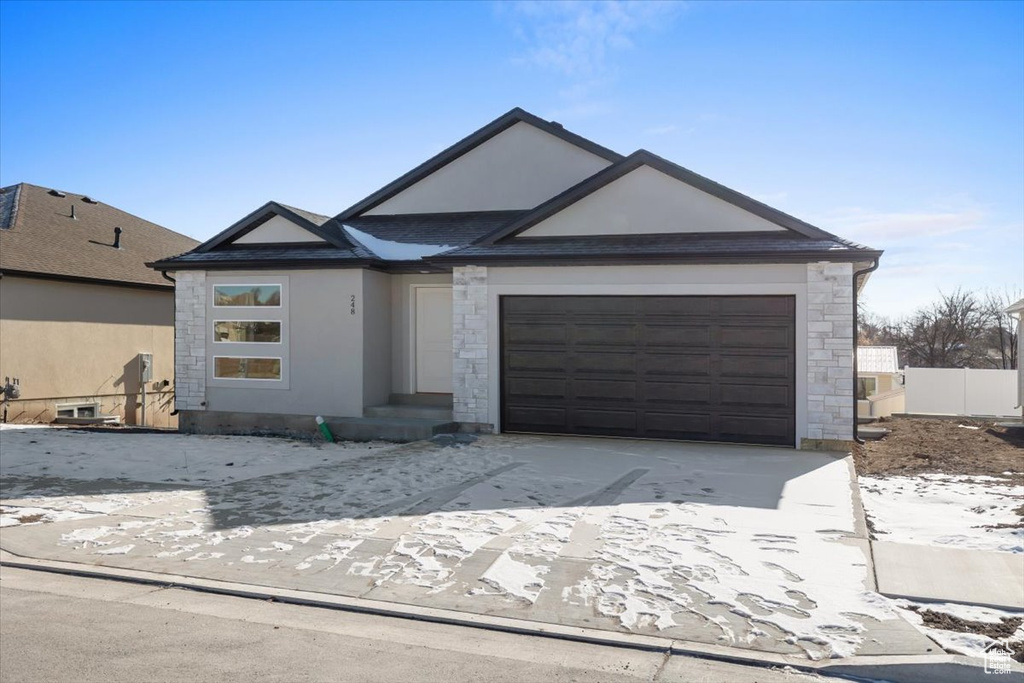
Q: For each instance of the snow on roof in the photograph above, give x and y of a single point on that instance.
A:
(879, 359)
(395, 251)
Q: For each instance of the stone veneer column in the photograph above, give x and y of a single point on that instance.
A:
(190, 336)
(469, 347)
(830, 351)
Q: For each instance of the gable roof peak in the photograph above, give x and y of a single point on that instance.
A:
(470, 142)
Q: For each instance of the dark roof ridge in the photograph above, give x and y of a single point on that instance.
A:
(470, 142)
(7, 221)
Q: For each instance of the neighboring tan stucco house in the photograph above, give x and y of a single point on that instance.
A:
(880, 390)
(525, 280)
(76, 310)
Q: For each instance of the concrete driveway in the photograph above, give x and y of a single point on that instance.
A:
(749, 547)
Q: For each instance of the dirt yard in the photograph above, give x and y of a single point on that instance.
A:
(943, 446)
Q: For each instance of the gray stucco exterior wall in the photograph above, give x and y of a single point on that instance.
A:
(376, 315)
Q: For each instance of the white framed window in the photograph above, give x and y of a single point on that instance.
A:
(247, 296)
(247, 331)
(866, 386)
(248, 368)
(78, 409)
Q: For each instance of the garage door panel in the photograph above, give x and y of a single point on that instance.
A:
(701, 368)
(676, 425)
(531, 387)
(539, 417)
(675, 365)
(603, 390)
(537, 334)
(603, 421)
(605, 335)
(611, 363)
(749, 336)
(733, 395)
(764, 366)
(680, 393)
(536, 361)
(680, 336)
(676, 306)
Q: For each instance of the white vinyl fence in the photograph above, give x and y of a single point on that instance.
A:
(957, 391)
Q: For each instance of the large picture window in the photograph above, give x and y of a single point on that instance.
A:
(246, 295)
(232, 367)
(247, 331)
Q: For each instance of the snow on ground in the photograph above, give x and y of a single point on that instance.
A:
(31, 451)
(970, 644)
(739, 546)
(943, 510)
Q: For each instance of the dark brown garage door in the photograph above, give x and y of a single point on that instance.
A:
(709, 368)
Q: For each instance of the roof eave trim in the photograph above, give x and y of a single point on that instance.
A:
(85, 280)
(659, 259)
(468, 143)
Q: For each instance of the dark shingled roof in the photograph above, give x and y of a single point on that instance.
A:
(40, 238)
(455, 229)
(240, 257)
(749, 246)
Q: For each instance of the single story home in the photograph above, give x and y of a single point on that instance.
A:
(81, 313)
(879, 382)
(526, 279)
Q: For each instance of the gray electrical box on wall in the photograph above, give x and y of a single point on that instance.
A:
(146, 367)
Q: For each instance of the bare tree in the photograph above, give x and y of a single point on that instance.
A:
(1000, 336)
(945, 334)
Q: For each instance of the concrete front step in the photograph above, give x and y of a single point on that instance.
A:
(409, 411)
(400, 429)
(422, 400)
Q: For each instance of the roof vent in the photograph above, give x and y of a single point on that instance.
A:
(556, 124)
(57, 193)
(73, 216)
(89, 200)
(117, 238)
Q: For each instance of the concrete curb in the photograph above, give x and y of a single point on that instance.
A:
(896, 668)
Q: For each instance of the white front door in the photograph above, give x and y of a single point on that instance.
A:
(434, 340)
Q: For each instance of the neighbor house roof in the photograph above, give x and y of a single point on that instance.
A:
(877, 359)
(40, 238)
(1016, 307)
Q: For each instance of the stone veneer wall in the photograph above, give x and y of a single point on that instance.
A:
(830, 351)
(469, 346)
(190, 335)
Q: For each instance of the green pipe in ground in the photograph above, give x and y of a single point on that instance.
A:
(324, 429)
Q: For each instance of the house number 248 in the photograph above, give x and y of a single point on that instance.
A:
(352, 305)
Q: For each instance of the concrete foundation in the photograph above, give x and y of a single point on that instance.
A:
(399, 429)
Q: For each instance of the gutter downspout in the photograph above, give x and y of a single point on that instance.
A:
(175, 283)
(856, 328)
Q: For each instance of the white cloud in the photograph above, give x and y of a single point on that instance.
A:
(864, 225)
(574, 38)
(661, 130)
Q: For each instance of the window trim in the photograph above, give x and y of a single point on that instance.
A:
(213, 331)
(279, 359)
(75, 406)
(215, 285)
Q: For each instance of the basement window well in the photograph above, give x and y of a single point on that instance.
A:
(247, 368)
(78, 409)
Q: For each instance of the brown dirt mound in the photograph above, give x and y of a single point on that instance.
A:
(920, 445)
(997, 631)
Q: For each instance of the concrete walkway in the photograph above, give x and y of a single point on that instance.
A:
(739, 547)
(932, 574)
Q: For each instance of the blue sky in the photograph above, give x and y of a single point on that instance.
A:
(898, 125)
